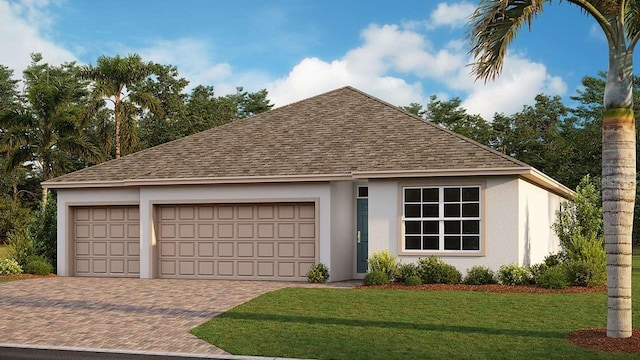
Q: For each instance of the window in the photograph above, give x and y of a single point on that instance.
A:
(441, 218)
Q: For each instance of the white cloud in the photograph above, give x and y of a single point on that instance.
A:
(452, 15)
(23, 29)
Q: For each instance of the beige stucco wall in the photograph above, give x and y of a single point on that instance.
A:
(537, 209)
(513, 210)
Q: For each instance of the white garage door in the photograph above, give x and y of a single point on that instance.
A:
(237, 241)
(106, 241)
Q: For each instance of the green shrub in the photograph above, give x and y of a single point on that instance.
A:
(480, 275)
(435, 271)
(554, 277)
(10, 267)
(384, 261)
(376, 277)
(513, 274)
(20, 247)
(413, 280)
(318, 273)
(586, 262)
(38, 265)
(42, 229)
(406, 271)
(552, 260)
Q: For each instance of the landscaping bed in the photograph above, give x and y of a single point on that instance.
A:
(494, 288)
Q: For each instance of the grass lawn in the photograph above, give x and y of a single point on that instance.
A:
(386, 324)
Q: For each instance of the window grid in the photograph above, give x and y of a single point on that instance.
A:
(441, 218)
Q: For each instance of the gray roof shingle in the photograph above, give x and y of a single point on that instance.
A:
(339, 132)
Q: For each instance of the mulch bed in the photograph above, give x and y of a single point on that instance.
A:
(25, 276)
(596, 339)
(531, 289)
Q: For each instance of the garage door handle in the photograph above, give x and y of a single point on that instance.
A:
(358, 236)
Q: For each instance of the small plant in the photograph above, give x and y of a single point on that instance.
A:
(20, 247)
(513, 274)
(406, 271)
(586, 262)
(413, 280)
(384, 261)
(554, 277)
(318, 273)
(38, 265)
(480, 275)
(10, 267)
(435, 271)
(376, 277)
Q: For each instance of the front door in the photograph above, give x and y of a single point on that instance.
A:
(362, 235)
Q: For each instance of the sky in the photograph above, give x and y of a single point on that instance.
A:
(401, 51)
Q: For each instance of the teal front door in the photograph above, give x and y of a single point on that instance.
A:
(362, 236)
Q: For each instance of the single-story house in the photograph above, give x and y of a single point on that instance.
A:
(330, 179)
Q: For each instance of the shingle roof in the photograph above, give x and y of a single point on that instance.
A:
(339, 132)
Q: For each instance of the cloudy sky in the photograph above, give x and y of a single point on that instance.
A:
(401, 51)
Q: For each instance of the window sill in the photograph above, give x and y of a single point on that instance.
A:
(421, 253)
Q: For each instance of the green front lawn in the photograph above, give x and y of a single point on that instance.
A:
(387, 324)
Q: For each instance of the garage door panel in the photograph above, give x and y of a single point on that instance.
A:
(106, 241)
(237, 241)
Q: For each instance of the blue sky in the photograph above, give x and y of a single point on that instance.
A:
(401, 51)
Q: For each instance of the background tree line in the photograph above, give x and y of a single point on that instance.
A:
(60, 118)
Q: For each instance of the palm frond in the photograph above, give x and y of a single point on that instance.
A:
(632, 22)
(493, 26)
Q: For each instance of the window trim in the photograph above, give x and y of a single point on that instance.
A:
(440, 184)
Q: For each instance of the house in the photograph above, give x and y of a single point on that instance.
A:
(329, 179)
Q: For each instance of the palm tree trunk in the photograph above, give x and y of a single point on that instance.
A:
(116, 113)
(618, 191)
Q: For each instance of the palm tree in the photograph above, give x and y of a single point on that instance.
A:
(46, 130)
(493, 26)
(115, 80)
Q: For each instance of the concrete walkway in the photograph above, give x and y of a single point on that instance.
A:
(133, 314)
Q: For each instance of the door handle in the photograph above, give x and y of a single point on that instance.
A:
(358, 236)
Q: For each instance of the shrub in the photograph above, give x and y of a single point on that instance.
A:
(513, 274)
(435, 271)
(318, 273)
(406, 271)
(554, 277)
(10, 267)
(38, 265)
(384, 261)
(20, 247)
(586, 262)
(376, 277)
(413, 280)
(480, 275)
(42, 229)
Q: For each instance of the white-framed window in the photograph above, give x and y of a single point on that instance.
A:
(441, 218)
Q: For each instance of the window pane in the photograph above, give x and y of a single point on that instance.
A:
(412, 210)
(430, 227)
(430, 243)
(412, 227)
(451, 194)
(452, 242)
(412, 243)
(471, 243)
(471, 227)
(470, 194)
(431, 195)
(452, 227)
(412, 195)
(471, 210)
(451, 210)
(430, 210)
(363, 191)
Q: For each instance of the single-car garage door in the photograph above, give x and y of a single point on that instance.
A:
(275, 241)
(106, 241)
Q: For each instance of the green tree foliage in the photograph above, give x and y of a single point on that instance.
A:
(42, 231)
(582, 216)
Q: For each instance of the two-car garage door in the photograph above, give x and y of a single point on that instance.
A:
(275, 241)
(237, 241)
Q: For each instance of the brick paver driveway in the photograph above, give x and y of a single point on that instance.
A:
(154, 315)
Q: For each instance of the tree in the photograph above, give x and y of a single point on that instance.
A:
(117, 79)
(46, 129)
(494, 25)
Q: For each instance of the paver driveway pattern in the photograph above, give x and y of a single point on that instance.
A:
(142, 314)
